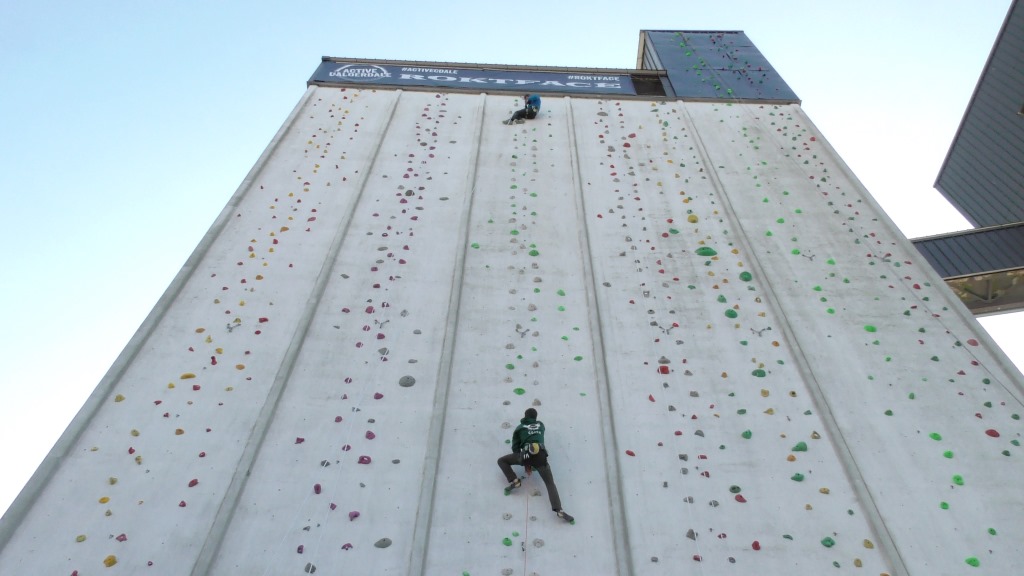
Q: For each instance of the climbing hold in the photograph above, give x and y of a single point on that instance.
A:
(383, 543)
(972, 561)
(992, 433)
(316, 488)
(958, 480)
(353, 515)
(747, 434)
(800, 447)
(506, 541)
(798, 477)
(870, 328)
(706, 251)
(828, 542)
(630, 453)
(935, 436)
(310, 568)
(110, 561)
(364, 460)
(406, 381)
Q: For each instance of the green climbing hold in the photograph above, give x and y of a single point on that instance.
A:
(973, 561)
(795, 251)
(560, 292)
(578, 358)
(948, 454)
(475, 245)
(534, 253)
(828, 542)
(992, 531)
(798, 477)
(741, 411)
(735, 489)
(747, 434)
(944, 505)
(706, 251)
(746, 276)
(800, 447)
(911, 396)
(888, 412)
(721, 298)
(519, 391)
(759, 373)
(514, 232)
(935, 436)
(958, 480)
(506, 541)
(730, 313)
(870, 328)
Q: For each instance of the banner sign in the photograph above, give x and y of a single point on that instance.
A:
(471, 78)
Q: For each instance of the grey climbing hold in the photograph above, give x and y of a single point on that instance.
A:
(694, 394)
(383, 543)
(671, 408)
(310, 568)
(406, 381)
(699, 433)
(654, 559)
(713, 503)
(395, 461)
(691, 534)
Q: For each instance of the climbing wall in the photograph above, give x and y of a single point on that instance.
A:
(744, 368)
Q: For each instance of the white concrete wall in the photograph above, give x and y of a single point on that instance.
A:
(258, 423)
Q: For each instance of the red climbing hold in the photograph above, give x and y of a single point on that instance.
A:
(650, 397)
(756, 545)
(299, 439)
(121, 537)
(192, 483)
(630, 453)
(992, 433)
(364, 460)
(316, 488)
(377, 395)
(741, 499)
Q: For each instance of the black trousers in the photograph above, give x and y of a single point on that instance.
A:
(507, 462)
(527, 112)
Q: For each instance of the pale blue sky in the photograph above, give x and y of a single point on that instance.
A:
(125, 127)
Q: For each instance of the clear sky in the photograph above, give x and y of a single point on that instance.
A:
(126, 126)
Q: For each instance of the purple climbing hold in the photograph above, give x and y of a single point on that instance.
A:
(353, 515)
(364, 460)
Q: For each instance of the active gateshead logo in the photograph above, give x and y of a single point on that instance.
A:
(362, 72)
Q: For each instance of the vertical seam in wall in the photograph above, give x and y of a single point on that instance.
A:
(229, 504)
(19, 509)
(620, 531)
(845, 456)
(435, 436)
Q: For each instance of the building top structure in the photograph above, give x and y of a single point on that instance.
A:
(983, 177)
(672, 64)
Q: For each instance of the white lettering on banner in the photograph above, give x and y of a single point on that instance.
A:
(430, 70)
(360, 71)
(507, 81)
(615, 78)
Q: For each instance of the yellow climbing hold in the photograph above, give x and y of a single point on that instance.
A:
(104, 500)
(791, 458)
(112, 480)
(110, 561)
(219, 350)
(824, 490)
(170, 385)
(869, 544)
(858, 563)
(764, 392)
(179, 432)
(134, 432)
(770, 411)
(187, 375)
(80, 538)
(808, 507)
(692, 218)
(239, 366)
(200, 330)
(119, 398)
